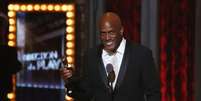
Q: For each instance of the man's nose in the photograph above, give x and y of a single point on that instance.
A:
(107, 36)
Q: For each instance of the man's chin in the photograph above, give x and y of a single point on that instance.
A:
(109, 50)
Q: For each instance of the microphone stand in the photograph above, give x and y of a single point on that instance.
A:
(111, 79)
(110, 84)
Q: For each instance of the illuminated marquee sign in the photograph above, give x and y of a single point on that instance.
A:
(42, 61)
(41, 47)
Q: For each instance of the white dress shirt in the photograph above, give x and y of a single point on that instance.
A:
(114, 59)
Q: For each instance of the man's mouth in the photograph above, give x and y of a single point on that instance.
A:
(108, 43)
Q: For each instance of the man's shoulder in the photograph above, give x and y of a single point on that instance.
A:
(137, 47)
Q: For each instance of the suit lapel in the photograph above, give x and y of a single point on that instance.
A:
(123, 67)
(101, 67)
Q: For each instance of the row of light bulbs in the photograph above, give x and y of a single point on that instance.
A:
(40, 7)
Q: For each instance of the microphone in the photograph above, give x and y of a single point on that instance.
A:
(111, 73)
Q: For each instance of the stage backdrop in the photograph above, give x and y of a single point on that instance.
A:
(176, 28)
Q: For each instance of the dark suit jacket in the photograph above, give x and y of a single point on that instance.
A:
(138, 79)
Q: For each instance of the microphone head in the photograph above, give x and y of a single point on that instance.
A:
(110, 71)
(109, 68)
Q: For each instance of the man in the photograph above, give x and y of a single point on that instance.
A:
(117, 70)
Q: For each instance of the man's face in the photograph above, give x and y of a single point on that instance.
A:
(110, 36)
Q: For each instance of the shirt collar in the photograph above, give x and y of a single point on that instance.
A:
(122, 46)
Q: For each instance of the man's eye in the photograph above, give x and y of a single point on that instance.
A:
(110, 33)
(103, 33)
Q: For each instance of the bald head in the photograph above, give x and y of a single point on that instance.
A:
(112, 18)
